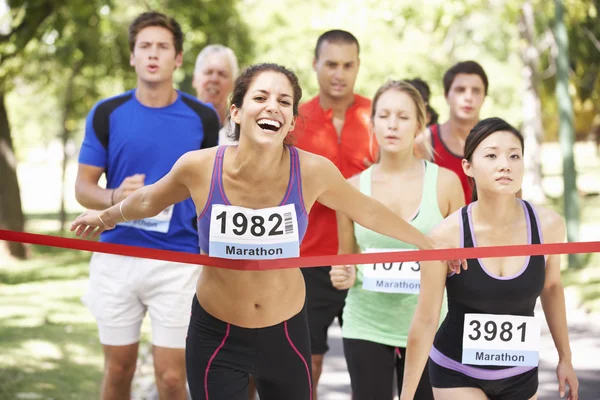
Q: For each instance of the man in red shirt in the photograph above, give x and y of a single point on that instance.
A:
(334, 124)
(465, 88)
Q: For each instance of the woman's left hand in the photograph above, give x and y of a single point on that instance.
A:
(566, 375)
(89, 223)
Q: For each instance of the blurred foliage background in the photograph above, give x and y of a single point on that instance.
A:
(58, 57)
(51, 74)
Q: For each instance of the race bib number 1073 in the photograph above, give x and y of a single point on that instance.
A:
(503, 340)
(243, 233)
(394, 277)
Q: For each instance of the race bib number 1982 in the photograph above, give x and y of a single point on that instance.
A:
(243, 233)
(503, 340)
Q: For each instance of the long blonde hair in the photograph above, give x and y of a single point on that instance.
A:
(405, 87)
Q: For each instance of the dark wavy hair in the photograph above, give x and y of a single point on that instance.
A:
(243, 82)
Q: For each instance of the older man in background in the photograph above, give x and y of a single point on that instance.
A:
(215, 72)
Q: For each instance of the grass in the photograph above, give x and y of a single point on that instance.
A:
(584, 282)
(49, 347)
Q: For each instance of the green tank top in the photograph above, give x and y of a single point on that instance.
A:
(385, 317)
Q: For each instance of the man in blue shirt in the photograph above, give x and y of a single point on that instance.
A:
(135, 138)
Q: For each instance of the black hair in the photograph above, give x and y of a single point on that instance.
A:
(480, 132)
(335, 36)
(464, 67)
(425, 92)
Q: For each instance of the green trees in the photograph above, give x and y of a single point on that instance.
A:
(23, 21)
(566, 131)
(69, 54)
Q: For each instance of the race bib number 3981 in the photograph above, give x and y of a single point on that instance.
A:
(243, 233)
(502, 340)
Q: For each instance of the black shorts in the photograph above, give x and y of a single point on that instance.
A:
(372, 366)
(220, 357)
(519, 387)
(323, 304)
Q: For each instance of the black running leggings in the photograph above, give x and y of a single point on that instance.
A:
(371, 366)
(220, 357)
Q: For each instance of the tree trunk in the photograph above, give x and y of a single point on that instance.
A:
(533, 131)
(62, 214)
(65, 136)
(11, 214)
(566, 133)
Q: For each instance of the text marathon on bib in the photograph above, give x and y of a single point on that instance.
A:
(258, 251)
(377, 284)
(504, 358)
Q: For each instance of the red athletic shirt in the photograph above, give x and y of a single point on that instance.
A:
(443, 157)
(316, 133)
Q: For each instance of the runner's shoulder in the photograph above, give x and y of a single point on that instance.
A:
(196, 161)
(552, 224)
(447, 177)
(311, 162)
(448, 230)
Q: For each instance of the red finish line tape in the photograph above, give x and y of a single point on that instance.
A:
(313, 261)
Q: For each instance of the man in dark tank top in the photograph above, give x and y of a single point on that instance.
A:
(465, 89)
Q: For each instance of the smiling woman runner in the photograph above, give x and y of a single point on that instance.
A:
(488, 345)
(253, 200)
(383, 297)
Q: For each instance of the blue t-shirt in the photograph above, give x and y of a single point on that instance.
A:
(126, 138)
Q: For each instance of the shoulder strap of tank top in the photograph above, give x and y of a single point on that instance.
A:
(466, 239)
(430, 198)
(365, 181)
(534, 223)
(219, 168)
(216, 178)
(294, 163)
(295, 177)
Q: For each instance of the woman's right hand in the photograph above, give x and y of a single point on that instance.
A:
(456, 265)
(342, 276)
(89, 223)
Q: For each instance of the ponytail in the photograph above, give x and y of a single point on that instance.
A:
(473, 186)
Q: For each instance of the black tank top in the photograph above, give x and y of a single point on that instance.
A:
(477, 291)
